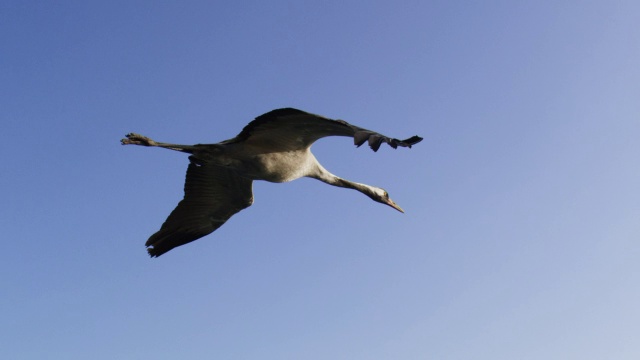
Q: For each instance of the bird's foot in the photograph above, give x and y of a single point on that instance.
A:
(137, 139)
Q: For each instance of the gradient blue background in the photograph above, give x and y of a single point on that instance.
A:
(520, 238)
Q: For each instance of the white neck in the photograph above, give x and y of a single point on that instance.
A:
(322, 174)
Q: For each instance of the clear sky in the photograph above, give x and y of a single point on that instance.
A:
(522, 226)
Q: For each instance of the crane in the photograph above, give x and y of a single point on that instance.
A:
(274, 147)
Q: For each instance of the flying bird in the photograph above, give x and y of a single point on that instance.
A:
(274, 147)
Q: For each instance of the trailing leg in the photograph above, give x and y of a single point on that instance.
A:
(137, 139)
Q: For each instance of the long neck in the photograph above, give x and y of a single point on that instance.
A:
(325, 176)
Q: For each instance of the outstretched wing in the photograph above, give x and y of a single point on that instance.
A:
(293, 129)
(212, 194)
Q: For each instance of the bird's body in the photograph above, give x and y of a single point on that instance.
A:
(275, 147)
(277, 167)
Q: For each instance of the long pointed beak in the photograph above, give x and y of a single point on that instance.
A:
(395, 206)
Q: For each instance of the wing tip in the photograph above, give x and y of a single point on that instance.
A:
(153, 253)
(412, 140)
(376, 140)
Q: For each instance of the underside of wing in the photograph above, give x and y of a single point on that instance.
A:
(212, 194)
(293, 129)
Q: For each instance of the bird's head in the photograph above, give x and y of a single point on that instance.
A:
(381, 196)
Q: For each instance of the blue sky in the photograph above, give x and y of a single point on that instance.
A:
(520, 238)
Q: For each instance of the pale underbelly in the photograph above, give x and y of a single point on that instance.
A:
(277, 167)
